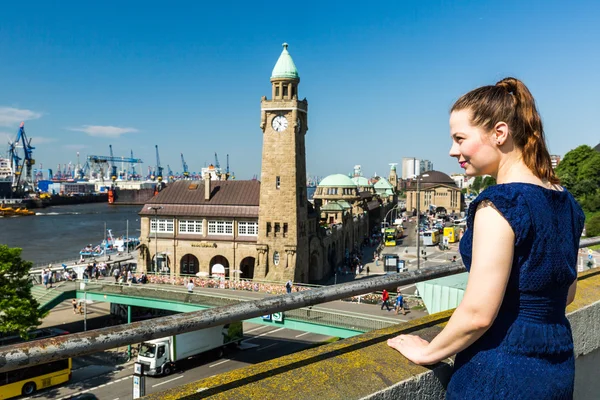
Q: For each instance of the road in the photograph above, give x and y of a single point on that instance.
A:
(261, 343)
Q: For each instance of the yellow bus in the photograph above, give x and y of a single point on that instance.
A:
(26, 381)
(451, 233)
(389, 237)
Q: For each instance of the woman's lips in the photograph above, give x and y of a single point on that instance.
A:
(462, 164)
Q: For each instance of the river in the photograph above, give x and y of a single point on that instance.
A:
(60, 232)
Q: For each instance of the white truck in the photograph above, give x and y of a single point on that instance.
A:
(160, 356)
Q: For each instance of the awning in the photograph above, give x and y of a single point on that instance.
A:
(218, 269)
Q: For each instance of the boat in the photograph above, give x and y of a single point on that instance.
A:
(109, 245)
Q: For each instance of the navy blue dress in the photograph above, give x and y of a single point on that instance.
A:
(528, 351)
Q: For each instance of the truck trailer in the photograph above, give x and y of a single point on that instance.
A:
(160, 356)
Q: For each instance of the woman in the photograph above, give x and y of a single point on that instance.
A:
(510, 331)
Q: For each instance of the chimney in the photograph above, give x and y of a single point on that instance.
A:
(207, 186)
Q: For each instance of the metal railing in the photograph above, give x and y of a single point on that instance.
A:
(79, 344)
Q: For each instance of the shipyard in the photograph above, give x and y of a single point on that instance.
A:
(332, 201)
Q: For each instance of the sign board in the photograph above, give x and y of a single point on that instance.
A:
(139, 389)
(266, 317)
(402, 266)
(277, 317)
(590, 252)
(137, 368)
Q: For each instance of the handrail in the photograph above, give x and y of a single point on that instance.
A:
(79, 344)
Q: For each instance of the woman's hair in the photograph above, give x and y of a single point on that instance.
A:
(510, 101)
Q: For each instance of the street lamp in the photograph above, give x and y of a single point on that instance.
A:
(419, 219)
(155, 208)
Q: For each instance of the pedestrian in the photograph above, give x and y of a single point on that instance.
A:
(74, 303)
(453, 259)
(368, 270)
(288, 286)
(385, 297)
(514, 307)
(116, 274)
(377, 260)
(190, 286)
(45, 277)
(400, 304)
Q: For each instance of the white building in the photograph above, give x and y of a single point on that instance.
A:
(410, 167)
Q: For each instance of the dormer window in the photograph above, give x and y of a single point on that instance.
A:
(285, 91)
(276, 90)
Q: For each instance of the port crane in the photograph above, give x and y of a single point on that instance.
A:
(28, 161)
(217, 165)
(159, 170)
(113, 167)
(170, 174)
(102, 161)
(184, 165)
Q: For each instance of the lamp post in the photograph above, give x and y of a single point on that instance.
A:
(419, 219)
(155, 208)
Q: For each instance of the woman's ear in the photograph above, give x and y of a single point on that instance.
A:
(500, 134)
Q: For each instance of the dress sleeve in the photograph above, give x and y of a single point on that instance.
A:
(511, 204)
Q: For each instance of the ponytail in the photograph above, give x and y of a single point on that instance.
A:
(510, 101)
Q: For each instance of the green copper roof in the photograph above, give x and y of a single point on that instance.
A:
(361, 181)
(285, 67)
(337, 180)
(383, 183)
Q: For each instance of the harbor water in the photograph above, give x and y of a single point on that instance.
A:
(60, 232)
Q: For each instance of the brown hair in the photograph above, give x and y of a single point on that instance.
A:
(510, 101)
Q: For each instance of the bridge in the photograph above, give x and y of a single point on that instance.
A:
(339, 319)
(359, 367)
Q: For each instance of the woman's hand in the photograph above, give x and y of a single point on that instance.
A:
(412, 347)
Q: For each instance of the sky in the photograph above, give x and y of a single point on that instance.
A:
(379, 77)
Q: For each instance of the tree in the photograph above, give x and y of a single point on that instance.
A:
(579, 171)
(487, 182)
(477, 182)
(19, 311)
(592, 228)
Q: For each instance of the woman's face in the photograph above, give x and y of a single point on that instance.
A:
(472, 146)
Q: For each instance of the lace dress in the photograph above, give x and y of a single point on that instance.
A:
(528, 351)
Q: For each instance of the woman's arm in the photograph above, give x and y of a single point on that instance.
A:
(493, 249)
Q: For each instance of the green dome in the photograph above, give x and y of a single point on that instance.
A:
(337, 180)
(361, 181)
(285, 67)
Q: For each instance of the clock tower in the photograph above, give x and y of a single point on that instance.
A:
(282, 242)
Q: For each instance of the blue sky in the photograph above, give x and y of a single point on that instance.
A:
(379, 76)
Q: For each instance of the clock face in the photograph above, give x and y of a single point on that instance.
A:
(280, 123)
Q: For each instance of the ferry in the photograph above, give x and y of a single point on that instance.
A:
(110, 245)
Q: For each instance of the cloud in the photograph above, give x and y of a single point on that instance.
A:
(11, 116)
(104, 131)
(75, 146)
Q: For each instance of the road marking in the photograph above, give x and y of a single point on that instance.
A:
(90, 389)
(266, 347)
(263, 334)
(116, 398)
(170, 380)
(256, 329)
(406, 287)
(302, 334)
(219, 363)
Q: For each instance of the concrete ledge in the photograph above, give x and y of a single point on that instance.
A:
(364, 367)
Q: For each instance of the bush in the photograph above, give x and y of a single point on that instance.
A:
(592, 227)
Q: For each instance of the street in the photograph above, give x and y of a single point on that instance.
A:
(261, 343)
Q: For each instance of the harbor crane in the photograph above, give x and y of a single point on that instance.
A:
(217, 165)
(22, 141)
(102, 161)
(113, 167)
(170, 174)
(159, 170)
(184, 165)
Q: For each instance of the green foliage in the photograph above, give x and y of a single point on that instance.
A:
(477, 183)
(488, 181)
(592, 227)
(19, 310)
(591, 202)
(579, 172)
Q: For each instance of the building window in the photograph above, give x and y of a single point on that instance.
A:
(277, 228)
(276, 90)
(164, 226)
(190, 226)
(220, 227)
(268, 228)
(276, 258)
(277, 182)
(248, 228)
(285, 90)
(285, 229)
